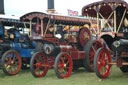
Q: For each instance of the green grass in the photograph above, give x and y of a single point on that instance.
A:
(81, 77)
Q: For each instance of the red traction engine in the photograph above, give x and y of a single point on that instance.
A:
(60, 49)
(113, 16)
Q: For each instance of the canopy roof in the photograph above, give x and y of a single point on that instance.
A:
(57, 18)
(105, 7)
(12, 20)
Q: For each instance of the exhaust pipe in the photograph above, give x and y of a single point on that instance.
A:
(2, 7)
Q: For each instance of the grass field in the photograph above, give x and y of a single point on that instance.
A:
(81, 77)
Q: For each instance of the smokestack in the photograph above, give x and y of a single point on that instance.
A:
(51, 6)
(2, 7)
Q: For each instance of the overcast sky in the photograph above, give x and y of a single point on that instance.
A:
(20, 7)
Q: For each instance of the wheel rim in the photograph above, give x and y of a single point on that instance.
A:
(104, 68)
(12, 63)
(92, 51)
(64, 66)
(40, 65)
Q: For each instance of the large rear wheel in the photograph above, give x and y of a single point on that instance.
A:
(11, 62)
(101, 63)
(63, 65)
(39, 64)
(90, 49)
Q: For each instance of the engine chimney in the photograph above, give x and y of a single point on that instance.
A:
(2, 7)
(51, 6)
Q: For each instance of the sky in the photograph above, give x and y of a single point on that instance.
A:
(21, 7)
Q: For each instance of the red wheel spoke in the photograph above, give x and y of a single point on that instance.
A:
(63, 66)
(37, 59)
(6, 59)
(59, 65)
(91, 58)
(99, 65)
(66, 70)
(40, 59)
(37, 70)
(96, 46)
(39, 65)
(103, 68)
(60, 69)
(16, 62)
(64, 57)
(8, 62)
(93, 49)
(10, 69)
(11, 62)
(62, 60)
(34, 64)
(10, 58)
(13, 68)
(14, 58)
(67, 62)
(104, 56)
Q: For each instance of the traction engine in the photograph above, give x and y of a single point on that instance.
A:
(59, 48)
(16, 50)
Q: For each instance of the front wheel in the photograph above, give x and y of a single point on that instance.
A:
(63, 65)
(101, 63)
(39, 64)
(90, 49)
(11, 62)
(124, 69)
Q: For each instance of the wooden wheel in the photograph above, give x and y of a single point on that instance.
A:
(90, 49)
(101, 60)
(63, 65)
(39, 64)
(11, 62)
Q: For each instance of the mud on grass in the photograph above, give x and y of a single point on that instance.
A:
(80, 77)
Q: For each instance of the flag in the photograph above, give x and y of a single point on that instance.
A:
(72, 13)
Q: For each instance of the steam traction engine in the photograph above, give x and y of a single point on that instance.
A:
(60, 48)
(16, 48)
(114, 30)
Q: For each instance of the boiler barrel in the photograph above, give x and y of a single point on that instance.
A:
(64, 48)
(51, 50)
(123, 42)
(119, 44)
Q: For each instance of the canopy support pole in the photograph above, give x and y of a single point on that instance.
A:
(98, 23)
(121, 20)
(104, 19)
(24, 26)
(115, 21)
(89, 19)
(47, 27)
(42, 27)
(30, 28)
(106, 22)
